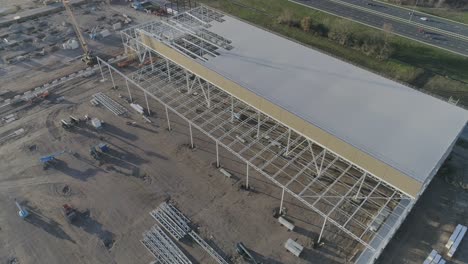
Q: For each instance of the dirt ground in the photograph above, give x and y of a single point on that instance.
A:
(147, 165)
(429, 225)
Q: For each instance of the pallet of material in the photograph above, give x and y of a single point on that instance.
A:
(453, 236)
(434, 258)
(455, 240)
(283, 221)
(293, 247)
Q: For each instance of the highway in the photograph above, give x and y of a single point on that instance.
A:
(438, 32)
(405, 14)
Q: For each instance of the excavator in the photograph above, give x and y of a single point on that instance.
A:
(87, 57)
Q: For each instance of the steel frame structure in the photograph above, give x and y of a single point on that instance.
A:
(344, 194)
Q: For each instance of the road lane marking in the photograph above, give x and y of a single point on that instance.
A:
(395, 33)
(370, 11)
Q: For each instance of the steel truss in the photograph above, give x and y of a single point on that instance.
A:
(345, 195)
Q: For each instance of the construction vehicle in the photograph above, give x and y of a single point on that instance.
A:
(74, 121)
(97, 151)
(69, 213)
(70, 124)
(131, 123)
(87, 57)
(49, 160)
(39, 97)
(96, 123)
(66, 124)
(94, 153)
(136, 5)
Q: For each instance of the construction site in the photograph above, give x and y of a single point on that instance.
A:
(170, 132)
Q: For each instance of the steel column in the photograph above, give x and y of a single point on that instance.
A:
(100, 68)
(112, 78)
(188, 81)
(287, 145)
(281, 203)
(232, 108)
(247, 179)
(360, 186)
(151, 61)
(147, 104)
(167, 117)
(258, 124)
(217, 154)
(321, 231)
(191, 135)
(168, 70)
(129, 93)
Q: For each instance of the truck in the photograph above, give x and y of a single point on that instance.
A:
(97, 151)
(136, 5)
(96, 123)
(69, 213)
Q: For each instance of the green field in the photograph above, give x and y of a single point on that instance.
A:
(421, 66)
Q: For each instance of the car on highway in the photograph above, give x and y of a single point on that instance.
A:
(424, 18)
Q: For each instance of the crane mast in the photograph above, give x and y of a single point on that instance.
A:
(87, 55)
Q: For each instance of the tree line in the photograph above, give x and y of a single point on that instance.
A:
(375, 44)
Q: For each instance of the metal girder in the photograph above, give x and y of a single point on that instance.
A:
(196, 18)
(257, 140)
(341, 199)
(377, 214)
(308, 167)
(272, 143)
(234, 128)
(207, 121)
(316, 177)
(336, 180)
(362, 203)
(279, 154)
(289, 162)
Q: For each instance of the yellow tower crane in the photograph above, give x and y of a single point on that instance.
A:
(87, 57)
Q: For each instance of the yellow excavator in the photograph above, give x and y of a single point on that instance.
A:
(87, 57)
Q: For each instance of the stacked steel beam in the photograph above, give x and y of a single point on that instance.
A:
(163, 248)
(110, 104)
(177, 224)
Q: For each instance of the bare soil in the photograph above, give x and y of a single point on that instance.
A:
(148, 165)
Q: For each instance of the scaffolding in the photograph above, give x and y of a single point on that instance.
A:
(360, 204)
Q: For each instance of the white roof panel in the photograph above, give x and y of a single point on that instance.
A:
(398, 125)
